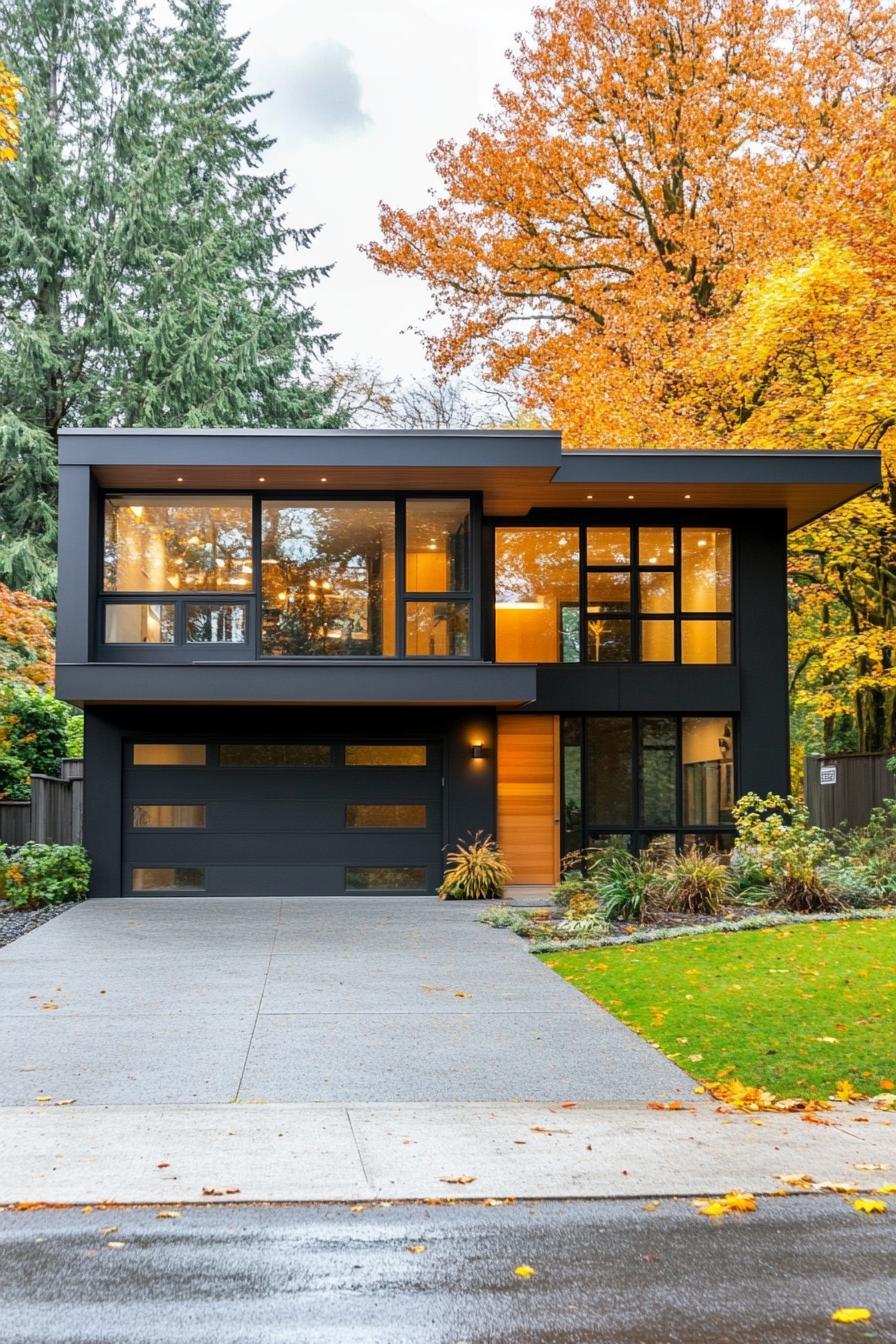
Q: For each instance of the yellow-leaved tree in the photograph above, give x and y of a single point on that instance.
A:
(10, 91)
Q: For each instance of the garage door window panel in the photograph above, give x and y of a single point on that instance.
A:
(368, 878)
(168, 879)
(267, 755)
(168, 753)
(385, 816)
(174, 816)
(385, 754)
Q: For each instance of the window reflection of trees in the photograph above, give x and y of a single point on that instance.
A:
(328, 578)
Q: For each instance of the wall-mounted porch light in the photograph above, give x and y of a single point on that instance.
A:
(477, 751)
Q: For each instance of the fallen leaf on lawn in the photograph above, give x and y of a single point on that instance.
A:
(542, 1129)
(869, 1206)
(801, 1180)
(458, 1180)
(168, 1213)
(114, 1245)
(649, 1208)
(827, 1040)
(851, 1315)
(871, 1166)
(524, 1271)
(844, 1091)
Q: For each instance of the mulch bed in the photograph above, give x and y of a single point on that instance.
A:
(13, 923)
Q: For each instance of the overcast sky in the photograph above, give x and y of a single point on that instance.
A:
(362, 90)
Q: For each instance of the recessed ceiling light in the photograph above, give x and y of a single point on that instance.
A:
(687, 496)
(631, 496)
(323, 480)
(261, 478)
(180, 480)
(589, 496)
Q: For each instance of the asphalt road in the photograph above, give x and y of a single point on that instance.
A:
(605, 1271)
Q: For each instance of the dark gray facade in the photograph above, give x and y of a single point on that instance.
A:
(283, 826)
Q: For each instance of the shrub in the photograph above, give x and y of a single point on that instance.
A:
(34, 730)
(697, 882)
(778, 847)
(476, 871)
(36, 875)
(624, 883)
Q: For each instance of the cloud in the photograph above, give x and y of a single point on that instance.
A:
(323, 93)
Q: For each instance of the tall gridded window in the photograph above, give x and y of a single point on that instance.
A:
(438, 582)
(654, 594)
(537, 595)
(640, 778)
(328, 577)
(177, 543)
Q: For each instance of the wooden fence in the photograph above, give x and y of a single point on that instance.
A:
(842, 790)
(54, 816)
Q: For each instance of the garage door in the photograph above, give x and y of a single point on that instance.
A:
(257, 818)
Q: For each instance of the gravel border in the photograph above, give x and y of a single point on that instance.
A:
(15, 923)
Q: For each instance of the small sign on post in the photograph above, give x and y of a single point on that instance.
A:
(828, 774)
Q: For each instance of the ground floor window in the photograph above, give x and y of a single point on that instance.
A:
(639, 777)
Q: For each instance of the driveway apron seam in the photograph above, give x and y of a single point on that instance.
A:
(264, 985)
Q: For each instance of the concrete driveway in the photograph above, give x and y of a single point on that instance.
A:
(377, 999)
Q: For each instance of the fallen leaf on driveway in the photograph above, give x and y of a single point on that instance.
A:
(838, 1187)
(459, 994)
(649, 1208)
(714, 1209)
(107, 1231)
(869, 1206)
(886, 1190)
(68, 1101)
(871, 1166)
(851, 1315)
(49, 1007)
(163, 1164)
(458, 1180)
(524, 1271)
(168, 1213)
(664, 1106)
(542, 1129)
(217, 1190)
(418, 1249)
(114, 1245)
(43, 1098)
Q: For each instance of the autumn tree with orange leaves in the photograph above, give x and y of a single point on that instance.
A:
(10, 89)
(647, 162)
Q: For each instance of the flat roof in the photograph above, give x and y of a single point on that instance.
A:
(515, 470)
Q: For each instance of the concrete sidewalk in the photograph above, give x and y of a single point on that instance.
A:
(160, 1154)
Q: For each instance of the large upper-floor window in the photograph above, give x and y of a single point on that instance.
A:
(328, 577)
(613, 594)
(172, 543)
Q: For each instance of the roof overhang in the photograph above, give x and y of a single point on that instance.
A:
(516, 471)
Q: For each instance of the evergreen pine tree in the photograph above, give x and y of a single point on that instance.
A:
(68, 208)
(147, 273)
(221, 334)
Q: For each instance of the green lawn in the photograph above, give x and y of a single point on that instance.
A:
(790, 1009)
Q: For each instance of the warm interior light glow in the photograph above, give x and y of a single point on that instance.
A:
(537, 605)
(137, 510)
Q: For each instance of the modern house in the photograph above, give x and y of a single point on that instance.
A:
(311, 661)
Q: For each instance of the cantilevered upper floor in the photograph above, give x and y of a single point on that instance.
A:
(349, 567)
